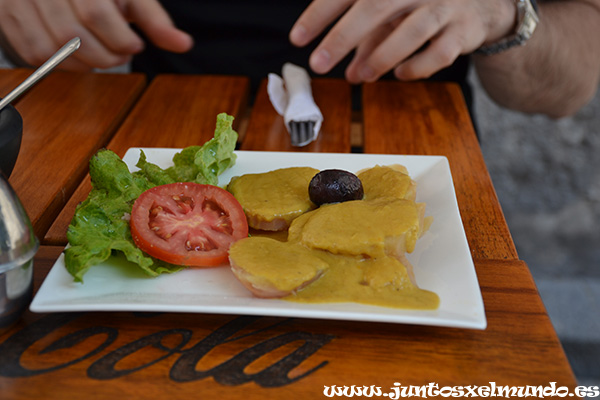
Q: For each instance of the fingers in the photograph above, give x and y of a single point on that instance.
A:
(364, 50)
(25, 33)
(106, 21)
(62, 22)
(415, 31)
(157, 25)
(317, 16)
(363, 18)
(440, 53)
(35, 29)
(416, 38)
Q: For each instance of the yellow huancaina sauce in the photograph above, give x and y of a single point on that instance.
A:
(272, 200)
(347, 252)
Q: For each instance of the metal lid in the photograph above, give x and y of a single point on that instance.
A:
(18, 243)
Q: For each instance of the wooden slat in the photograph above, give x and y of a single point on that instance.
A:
(255, 358)
(175, 111)
(10, 78)
(181, 110)
(67, 117)
(266, 130)
(432, 119)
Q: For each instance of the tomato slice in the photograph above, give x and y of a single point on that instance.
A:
(187, 223)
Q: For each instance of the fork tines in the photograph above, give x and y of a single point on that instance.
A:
(301, 132)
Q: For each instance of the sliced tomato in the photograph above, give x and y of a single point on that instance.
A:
(187, 223)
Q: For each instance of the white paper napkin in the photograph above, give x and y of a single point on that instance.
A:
(292, 98)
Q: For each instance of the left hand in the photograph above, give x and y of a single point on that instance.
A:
(386, 34)
(35, 29)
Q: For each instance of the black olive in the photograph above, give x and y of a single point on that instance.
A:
(334, 186)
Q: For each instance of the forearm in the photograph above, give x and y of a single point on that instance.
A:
(557, 71)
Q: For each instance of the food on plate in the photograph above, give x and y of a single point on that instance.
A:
(388, 181)
(286, 269)
(393, 181)
(187, 223)
(350, 251)
(317, 236)
(374, 228)
(101, 222)
(272, 200)
(384, 282)
(334, 186)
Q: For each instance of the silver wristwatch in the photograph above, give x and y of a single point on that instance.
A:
(527, 20)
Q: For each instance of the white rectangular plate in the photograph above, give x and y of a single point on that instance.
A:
(441, 259)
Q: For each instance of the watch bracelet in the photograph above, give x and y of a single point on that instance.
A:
(518, 39)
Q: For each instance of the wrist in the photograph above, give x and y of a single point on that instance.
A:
(505, 20)
(524, 24)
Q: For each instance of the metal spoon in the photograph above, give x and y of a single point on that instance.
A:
(39, 73)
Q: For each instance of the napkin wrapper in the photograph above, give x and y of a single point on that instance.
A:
(292, 98)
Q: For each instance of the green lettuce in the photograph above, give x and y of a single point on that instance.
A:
(200, 164)
(100, 225)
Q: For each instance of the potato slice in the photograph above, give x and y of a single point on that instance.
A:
(270, 268)
(272, 200)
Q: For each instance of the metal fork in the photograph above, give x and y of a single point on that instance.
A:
(301, 132)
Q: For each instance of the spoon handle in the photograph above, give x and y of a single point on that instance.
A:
(39, 73)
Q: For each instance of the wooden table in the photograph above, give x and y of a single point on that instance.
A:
(144, 355)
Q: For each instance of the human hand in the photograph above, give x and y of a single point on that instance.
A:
(387, 34)
(35, 29)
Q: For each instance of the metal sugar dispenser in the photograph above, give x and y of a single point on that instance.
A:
(18, 245)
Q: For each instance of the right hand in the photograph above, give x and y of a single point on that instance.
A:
(413, 38)
(36, 29)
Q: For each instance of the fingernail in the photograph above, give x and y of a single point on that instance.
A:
(367, 74)
(298, 35)
(190, 41)
(398, 73)
(320, 61)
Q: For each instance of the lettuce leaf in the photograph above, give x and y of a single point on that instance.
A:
(217, 154)
(101, 222)
(199, 164)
